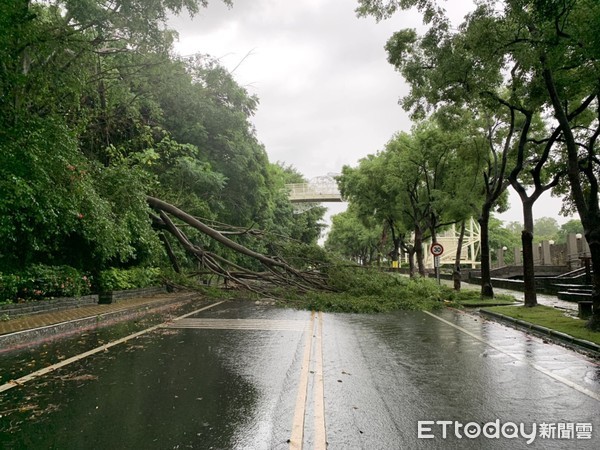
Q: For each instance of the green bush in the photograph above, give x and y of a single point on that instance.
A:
(426, 288)
(9, 286)
(121, 279)
(42, 281)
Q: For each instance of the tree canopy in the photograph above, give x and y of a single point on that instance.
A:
(97, 116)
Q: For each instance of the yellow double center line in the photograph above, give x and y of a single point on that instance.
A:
(314, 335)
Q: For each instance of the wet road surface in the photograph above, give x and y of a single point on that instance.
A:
(246, 376)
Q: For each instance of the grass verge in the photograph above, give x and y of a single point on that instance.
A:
(552, 318)
(472, 299)
(481, 303)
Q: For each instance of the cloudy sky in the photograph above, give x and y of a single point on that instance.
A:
(327, 95)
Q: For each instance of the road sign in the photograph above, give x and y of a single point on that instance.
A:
(437, 249)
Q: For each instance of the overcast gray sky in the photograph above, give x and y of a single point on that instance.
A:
(328, 96)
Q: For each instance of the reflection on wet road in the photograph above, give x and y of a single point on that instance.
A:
(409, 367)
(248, 376)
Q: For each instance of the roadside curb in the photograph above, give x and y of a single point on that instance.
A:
(544, 332)
(33, 336)
(489, 305)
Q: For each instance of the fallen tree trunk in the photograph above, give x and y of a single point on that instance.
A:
(278, 272)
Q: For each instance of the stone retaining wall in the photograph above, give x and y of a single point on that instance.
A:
(13, 310)
(116, 296)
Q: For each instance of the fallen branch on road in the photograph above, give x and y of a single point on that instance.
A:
(277, 273)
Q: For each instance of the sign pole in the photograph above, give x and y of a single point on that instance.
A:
(437, 250)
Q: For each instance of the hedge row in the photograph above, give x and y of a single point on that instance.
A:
(42, 281)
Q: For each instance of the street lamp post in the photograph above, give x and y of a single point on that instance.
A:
(501, 256)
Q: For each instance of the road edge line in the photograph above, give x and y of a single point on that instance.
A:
(541, 369)
(38, 373)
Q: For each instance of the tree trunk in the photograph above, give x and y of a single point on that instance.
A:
(279, 273)
(396, 252)
(587, 214)
(170, 253)
(411, 261)
(594, 244)
(487, 291)
(528, 258)
(456, 277)
(159, 204)
(419, 251)
(395, 255)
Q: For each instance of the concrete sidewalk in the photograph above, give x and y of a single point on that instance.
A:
(542, 299)
(80, 316)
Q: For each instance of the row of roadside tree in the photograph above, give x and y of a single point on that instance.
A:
(508, 97)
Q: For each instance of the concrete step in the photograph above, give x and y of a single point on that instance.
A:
(571, 296)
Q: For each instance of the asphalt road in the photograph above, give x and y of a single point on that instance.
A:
(245, 376)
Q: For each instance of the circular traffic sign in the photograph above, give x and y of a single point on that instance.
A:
(436, 249)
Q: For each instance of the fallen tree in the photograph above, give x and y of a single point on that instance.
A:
(277, 272)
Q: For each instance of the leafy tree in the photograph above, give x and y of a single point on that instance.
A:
(546, 228)
(440, 69)
(62, 75)
(95, 115)
(567, 45)
(204, 106)
(427, 165)
(417, 185)
(56, 208)
(374, 198)
(504, 236)
(573, 226)
(483, 66)
(406, 175)
(350, 238)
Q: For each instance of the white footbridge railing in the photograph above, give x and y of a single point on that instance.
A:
(317, 190)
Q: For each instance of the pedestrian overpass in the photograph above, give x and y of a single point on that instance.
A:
(318, 190)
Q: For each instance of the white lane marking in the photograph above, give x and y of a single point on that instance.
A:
(24, 379)
(537, 367)
(297, 437)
